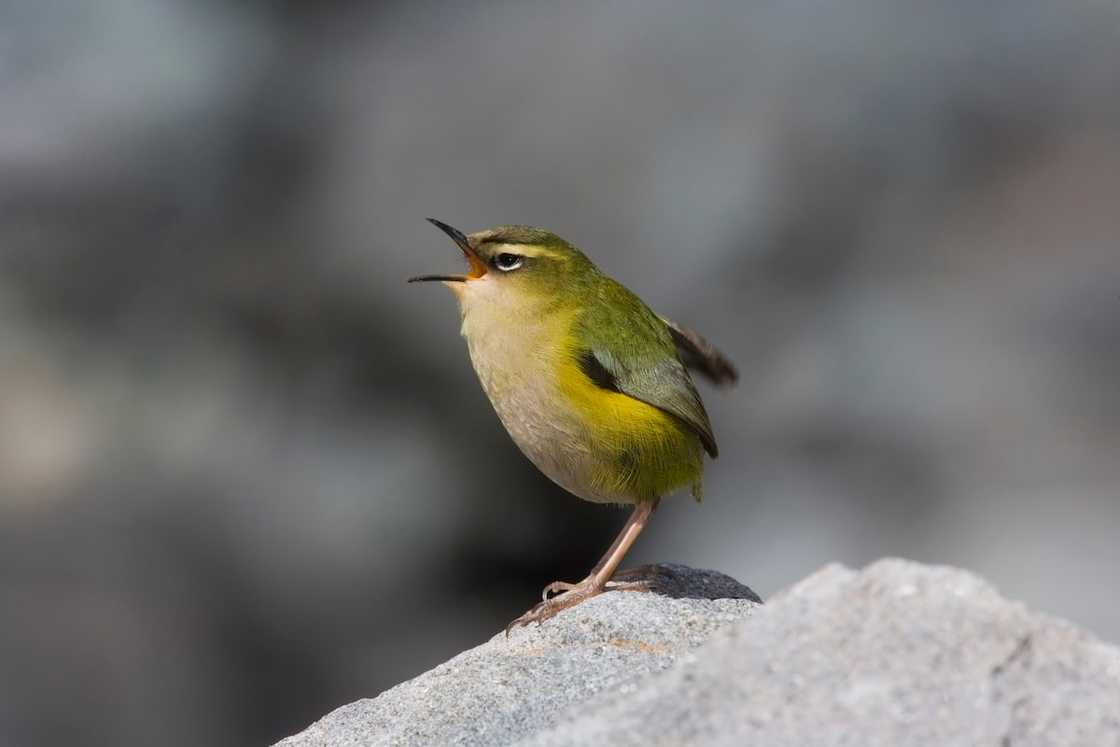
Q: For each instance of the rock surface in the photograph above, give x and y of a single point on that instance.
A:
(897, 653)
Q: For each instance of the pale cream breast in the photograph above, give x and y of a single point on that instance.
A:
(515, 352)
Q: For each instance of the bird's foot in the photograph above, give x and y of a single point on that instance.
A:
(644, 578)
(566, 595)
(560, 595)
(559, 587)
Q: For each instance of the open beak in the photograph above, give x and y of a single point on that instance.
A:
(477, 266)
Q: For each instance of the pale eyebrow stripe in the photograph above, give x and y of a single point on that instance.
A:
(527, 250)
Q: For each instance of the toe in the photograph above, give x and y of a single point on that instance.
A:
(556, 587)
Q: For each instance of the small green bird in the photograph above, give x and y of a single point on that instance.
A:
(591, 384)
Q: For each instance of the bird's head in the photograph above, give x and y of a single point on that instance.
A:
(510, 263)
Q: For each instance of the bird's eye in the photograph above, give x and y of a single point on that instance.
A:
(507, 262)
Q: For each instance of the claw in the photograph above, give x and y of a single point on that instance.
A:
(556, 588)
(570, 595)
(636, 579)
(647, 585)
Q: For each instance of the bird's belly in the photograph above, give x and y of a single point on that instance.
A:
(550, 434)
(519, 377)
(553, 441)
(641, 453)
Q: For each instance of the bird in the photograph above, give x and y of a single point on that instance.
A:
(591, 384)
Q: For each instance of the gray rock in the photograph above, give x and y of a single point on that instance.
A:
(897, 653)
(511, 688)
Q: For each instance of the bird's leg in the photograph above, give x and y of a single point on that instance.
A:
(557, 587)
(569, 594)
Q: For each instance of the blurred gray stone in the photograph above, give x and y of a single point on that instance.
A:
(898, 653)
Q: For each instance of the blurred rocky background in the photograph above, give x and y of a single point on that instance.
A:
(246, 473)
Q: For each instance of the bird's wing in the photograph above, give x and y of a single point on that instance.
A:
(642, 362)
(664, 384)
(701, 356)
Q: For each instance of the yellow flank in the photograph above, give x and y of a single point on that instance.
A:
(640, 451)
